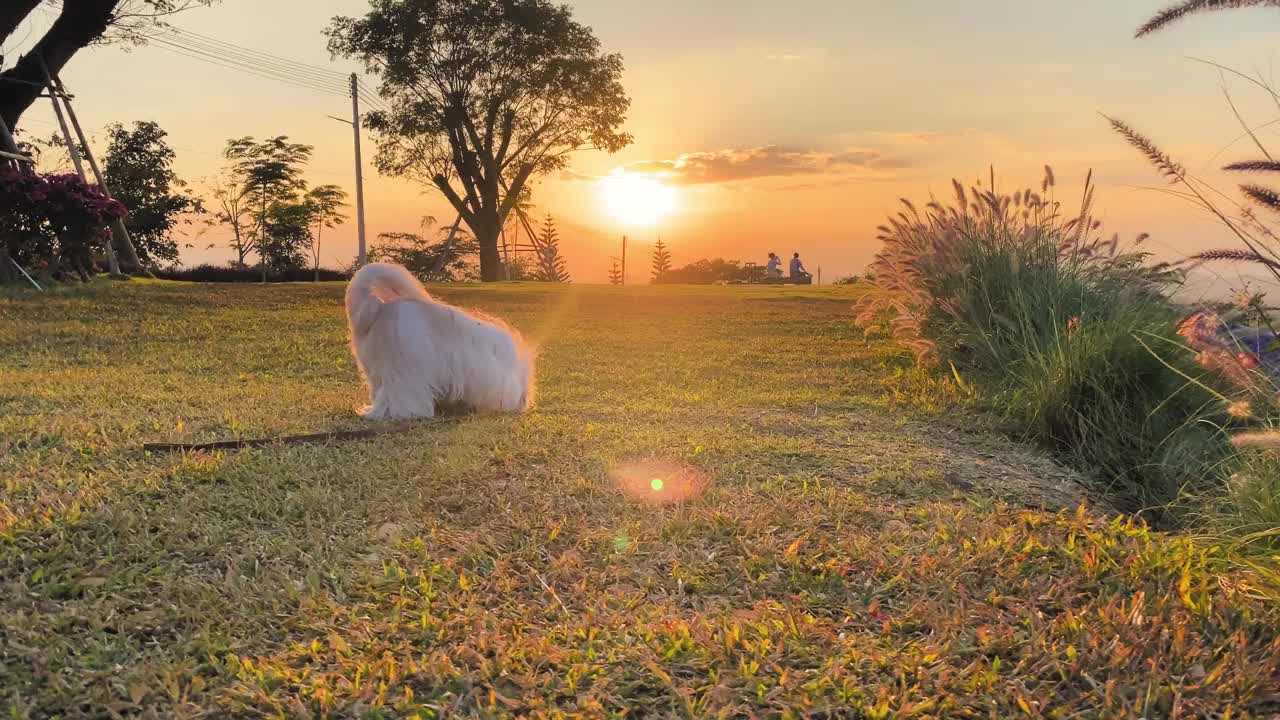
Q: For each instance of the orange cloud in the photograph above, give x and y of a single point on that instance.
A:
(767, 161)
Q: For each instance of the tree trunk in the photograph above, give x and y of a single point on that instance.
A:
(80, 23)
(316, 255)
(12, 13)
(262, 239)
(490, 259)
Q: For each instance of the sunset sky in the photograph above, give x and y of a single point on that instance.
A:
(779, 126)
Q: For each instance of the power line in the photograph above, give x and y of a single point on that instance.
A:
(281, 73)
(239, 58)
(314, 68)
(229, 64)
(373, 100)
(261, 60)
(31, 28)
(173, 39)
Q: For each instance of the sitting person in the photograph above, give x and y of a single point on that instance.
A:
(774, 269)
(797, 267)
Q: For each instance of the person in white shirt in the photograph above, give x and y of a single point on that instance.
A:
(775, 266)
(797, 267)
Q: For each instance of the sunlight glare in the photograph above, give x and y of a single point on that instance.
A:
(637, 200)
(658, 481)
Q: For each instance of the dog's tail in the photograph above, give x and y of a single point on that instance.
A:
(376, 284)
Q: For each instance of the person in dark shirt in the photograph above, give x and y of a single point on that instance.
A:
(797, 267)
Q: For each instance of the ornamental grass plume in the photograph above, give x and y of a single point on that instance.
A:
(1174, 13)
(928, 255)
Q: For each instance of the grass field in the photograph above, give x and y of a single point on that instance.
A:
(829, 538)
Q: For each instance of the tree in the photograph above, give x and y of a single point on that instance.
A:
(79, 24)
(234, 212)
(615, 273)
(708, 272)
(484, 96)
(550, 261)
(270, 173)
(327, 202)
(430, 261)
(287, 237)
(661, 261)
(138, 166)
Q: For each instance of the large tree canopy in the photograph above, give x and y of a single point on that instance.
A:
(81, 23)
(139, 170)
(484, 96)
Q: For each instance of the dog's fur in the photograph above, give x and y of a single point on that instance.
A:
(415, 351)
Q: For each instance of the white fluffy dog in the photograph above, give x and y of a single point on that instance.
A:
(415, 351)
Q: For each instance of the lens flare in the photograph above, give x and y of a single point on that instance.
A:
(657, 481)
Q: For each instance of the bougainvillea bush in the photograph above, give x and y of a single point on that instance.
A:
(53, 225)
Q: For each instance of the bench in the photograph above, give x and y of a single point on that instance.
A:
(801, 280)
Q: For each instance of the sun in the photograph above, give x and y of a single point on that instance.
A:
(637, 200)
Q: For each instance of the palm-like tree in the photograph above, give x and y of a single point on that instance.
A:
(326, 203)
(271, 171)
(550, 262)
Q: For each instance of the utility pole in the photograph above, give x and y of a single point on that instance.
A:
(624, 261)
(363, 257)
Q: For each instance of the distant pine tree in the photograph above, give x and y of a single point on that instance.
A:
(615, 274)
(661, 261)
(550, 261)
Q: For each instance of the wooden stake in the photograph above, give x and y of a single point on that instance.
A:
(62, 123)
(9, 153)
(117, 226)
(24, 273)
(448, 245)
(7, 143)
(119, 233)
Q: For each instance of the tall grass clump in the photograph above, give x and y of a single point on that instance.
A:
(1054, 322)
(1238, 344)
